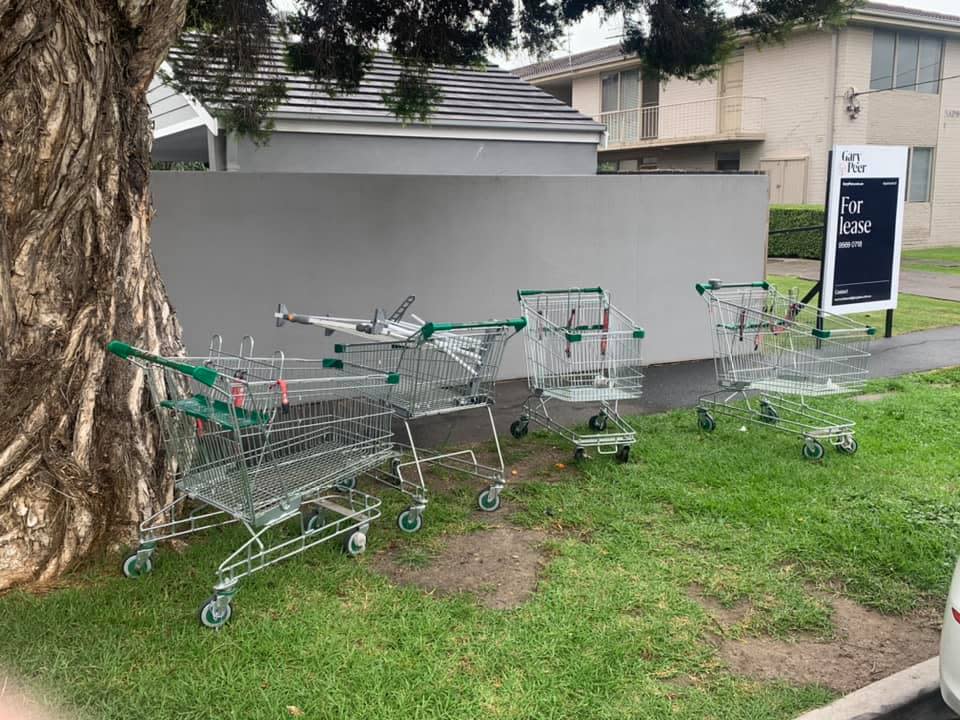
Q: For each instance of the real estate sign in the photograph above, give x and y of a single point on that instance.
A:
(861, 259)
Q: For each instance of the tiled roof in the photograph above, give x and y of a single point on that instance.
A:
(570, 63)
(478, 97)
(603, 55)
(915, 12)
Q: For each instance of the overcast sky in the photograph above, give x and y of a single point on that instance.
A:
(592, 33)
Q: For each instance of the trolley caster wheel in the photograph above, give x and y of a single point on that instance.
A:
(623, 453)
(519, 429)
(706, 422)
(355, 543)
(598, 423)
(212, 615)
(848, 445)
(489, 500)
(133, 567)
(348, 484)
(579, 454)
(410, 521)
(314, 522)
(812, 450)
(769, 414)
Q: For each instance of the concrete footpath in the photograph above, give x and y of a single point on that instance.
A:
(910, 694)
(667, 387)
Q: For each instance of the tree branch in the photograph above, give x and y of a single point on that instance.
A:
(156, 25)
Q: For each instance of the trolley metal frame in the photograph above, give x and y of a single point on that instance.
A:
(444, 368)
(258, 441)
(773, 352)
(581, 349)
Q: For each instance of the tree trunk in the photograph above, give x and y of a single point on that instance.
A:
(78, 453)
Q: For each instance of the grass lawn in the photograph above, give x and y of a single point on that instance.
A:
(913, 312)
(941, 259)
(612, 630)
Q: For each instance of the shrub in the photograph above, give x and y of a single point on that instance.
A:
(806, 244)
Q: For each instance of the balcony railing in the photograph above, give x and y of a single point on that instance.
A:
(722, 118)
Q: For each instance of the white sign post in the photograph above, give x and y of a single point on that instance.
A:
(861, 259)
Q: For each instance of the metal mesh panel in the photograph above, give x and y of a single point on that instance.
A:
(771, 342)
(448, 371)
(580, 348)
(269, 431)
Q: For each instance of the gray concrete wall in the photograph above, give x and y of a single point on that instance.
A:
(231, 246)
(329, 153)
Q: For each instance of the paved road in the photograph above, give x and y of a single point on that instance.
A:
(679, 385)
(942, 286)
(930, 707)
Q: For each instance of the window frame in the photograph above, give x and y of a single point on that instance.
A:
(619, 75)
(930, 174)
(729, 154)
(894, 74)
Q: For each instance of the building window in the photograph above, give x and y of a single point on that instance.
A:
(921, 175)
(906, 61)
(620, 91)
(728, 161)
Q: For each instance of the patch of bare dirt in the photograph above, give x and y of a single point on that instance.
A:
(500, 566)
(539, 463)
(868, 646)
(543, 464)
(872, 397)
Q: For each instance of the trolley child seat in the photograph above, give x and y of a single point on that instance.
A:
(772, 353)
(581, 349)
(258, 441)
(443, 368)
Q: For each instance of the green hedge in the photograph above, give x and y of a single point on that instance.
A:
(806, 244)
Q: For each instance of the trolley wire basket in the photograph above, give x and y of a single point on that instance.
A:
(581, 349)
(258, 441)
(443, 368)
(772, 352)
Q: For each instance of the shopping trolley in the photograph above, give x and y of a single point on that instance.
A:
(443, 368)
(581, 349)
(258, 441)
(773, 352)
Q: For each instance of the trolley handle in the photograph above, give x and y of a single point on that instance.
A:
(431, 327)
(205, 375)
(836, 332)
(718, 284)
(528, 293)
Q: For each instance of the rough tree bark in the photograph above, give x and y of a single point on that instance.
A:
(78, 460)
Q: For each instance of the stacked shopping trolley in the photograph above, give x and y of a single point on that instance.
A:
(442, 369)
(261, 441)
(773, 353)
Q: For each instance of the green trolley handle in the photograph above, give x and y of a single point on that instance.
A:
(528, 293)
(431, 327)
(205, 375)
(718, 285)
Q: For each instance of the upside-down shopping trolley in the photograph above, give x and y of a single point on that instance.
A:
(772, 353)
(443, 368)
(581, 349)
(259, 441)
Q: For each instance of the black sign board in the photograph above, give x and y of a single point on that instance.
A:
(861, 260)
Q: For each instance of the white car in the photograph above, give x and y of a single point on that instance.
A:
(950, 646)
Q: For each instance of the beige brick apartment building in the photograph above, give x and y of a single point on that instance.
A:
(779, 109)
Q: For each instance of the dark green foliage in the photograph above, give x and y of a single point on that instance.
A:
(807, 244)
(232, 43)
